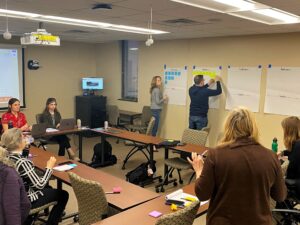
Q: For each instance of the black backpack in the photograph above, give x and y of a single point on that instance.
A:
(109, 158)
(140, 174)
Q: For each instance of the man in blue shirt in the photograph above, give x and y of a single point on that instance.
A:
(199, 94)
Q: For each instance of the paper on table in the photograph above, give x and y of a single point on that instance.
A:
(181, 196)
(48, 130)
(64, 167)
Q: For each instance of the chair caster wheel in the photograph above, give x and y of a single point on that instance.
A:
(123, 167)
(162, 190)
(76, 219)
(180, 182)
(175, 184)
(157, 190)
(170, 175)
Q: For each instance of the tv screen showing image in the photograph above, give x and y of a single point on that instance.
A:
(92, 83)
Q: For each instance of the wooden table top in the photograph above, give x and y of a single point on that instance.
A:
(129, 135)
(131, 195)
(191, 148)
(60, 132)
(129, 113)
(139, 214)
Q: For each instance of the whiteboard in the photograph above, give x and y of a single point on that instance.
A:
(243, 85)
(209, 73)
(175, 82)
(282, 91)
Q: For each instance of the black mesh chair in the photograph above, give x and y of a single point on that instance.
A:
(287, 212)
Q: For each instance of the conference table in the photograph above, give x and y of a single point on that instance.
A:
(127, 135)
(130, 196)
(140, 213)
(129, 114)
(77, 131)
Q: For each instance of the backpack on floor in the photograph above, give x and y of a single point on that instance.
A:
(141, 173)
(109, 158)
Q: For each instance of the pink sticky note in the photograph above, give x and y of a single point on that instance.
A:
(155, 214)
(117, 189)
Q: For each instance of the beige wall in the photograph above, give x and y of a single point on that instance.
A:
(59, 76)
(275, 49)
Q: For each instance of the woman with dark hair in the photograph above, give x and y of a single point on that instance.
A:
(52, 118)
(239, 176)
(36, 185)
(291, 139)
(157, 100)
(14, 117)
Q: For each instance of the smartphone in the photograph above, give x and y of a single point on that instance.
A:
(65, 163)
(25, 152)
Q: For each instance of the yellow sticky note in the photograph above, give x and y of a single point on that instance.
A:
(211, 74)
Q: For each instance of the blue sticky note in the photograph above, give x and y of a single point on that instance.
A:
(166, 73)
(179, 73)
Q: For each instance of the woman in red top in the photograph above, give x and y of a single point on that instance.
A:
(14, 117)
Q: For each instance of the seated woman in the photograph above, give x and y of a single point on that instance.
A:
(239, 176)
(52, 118)
(291, 139)
(14, 203)
(35, 185)
(14, 117)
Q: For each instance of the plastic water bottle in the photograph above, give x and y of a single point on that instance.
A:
(10, 124)
(274, 145)
(105, 125)
(78, 123)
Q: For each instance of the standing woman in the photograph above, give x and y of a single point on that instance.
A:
(14, 117)
(239, 173)
(157, 101)
(52, 118)
(291, 139)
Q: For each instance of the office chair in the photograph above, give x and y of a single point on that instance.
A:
(137, 147)
(43, 141)
(35, 213)
(92, 203)
(197, 137)
(141, 124)
(184, 216)
(287, 212)
(113, 115)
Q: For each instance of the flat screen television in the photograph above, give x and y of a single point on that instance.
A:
(92, 83)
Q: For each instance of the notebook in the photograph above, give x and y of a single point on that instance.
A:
(67, 124)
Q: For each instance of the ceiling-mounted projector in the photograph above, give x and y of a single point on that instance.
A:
(41, 37)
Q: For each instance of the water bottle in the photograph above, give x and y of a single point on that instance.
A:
(78, 123)
(10, 124)
(274, 145)
(105, 125)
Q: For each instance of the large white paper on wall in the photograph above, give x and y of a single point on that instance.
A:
(175, 82)
(283, 91)
(209, 73)
(243, 85)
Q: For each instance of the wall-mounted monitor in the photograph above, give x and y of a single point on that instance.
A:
(92, 83)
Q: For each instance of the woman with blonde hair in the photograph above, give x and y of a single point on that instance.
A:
(157, 100)
(36, 186)
(291, 140)
(14, 204)
(239, 176)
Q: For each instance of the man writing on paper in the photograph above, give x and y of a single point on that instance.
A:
(199, 94)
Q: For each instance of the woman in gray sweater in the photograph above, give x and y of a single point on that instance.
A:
(157, 100)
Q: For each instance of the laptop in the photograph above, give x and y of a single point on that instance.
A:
(38, 130)
(67, 124)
